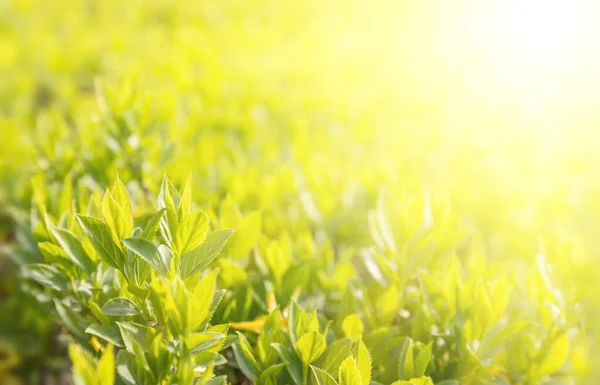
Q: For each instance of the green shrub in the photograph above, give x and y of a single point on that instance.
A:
(338, 233)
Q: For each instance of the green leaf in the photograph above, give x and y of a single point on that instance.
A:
(84, 371)
(134, 334)
(108, 334)
(555, 355)
(100, 235)
(120, 306)
(46, 275)
(422, 360)
(385, 231)
(185, 204)
(168, 199)
(406, 365)
(229, 213)
(297, 322)
(245, 358)
(201, 300)
(353, 327)
(204, 340)
(349, 373)
(152, 225)
(117, 219)
(73, 248)
(121, 196)
(191, 232)
(363, 359)
(97, 312)
(73, 321)
(322, 377)
(418, 381)
(126, 368)
(272, 375)
(292, 361)
(148, 251)
(197, 259)
(245, 237)
(334, 355)
(105, 374)
(310, 346)
(220, 380)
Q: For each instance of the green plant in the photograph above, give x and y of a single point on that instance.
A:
(378, 238)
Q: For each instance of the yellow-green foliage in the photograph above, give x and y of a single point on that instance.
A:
(358, 216)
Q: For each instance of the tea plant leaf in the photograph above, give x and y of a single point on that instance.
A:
(245, 358)
(349, 373)
(73, 248)
(204, 340)
(152, 225)
(46, 275)
(245, 236)
(105, 373)
(84, 371)
(406, 365)
(106, 333)
(100, 235)
(73, 321)
(148, 251)
(292, 361)
(322, 377)
(191, 232)
(353, 327)
(423, 359)
(272, 375)
(117, 218)
(334, 354)
(197, 259)
(120, 306)
(363, 359)
(310, 346)
(554, 356)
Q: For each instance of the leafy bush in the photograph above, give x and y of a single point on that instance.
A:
(320, 245)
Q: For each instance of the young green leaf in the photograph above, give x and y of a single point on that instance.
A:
(191, 232)
(363, 359)
(108, 334)
(245, 237)
(46, 275)
(73, 248)
(349, 373)
(322, 377)
(148, 251)
(73, 321)
(292, 361)
(152, 225)
(353, 327)
(245, 358)
(422, 360)
(417, 381)
(197, 259)
(120, 306)
(406, 364)
(310, 346)
(100, 236)
(117, 219)
(105, 373)
(554, 357)
(204, 340)
(84, 371)
(334, 355)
